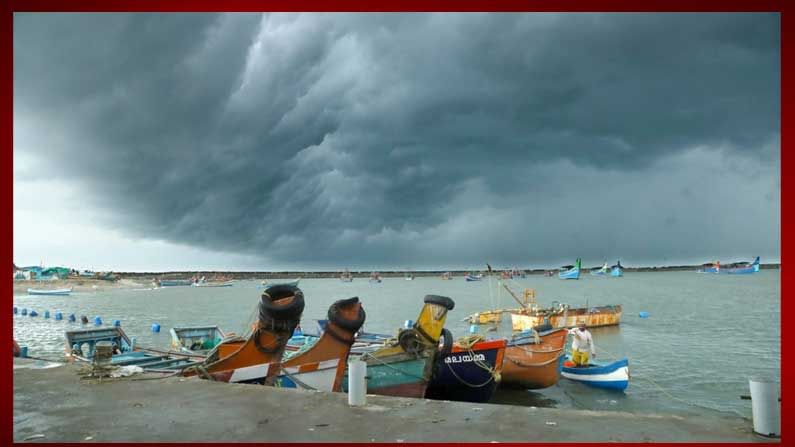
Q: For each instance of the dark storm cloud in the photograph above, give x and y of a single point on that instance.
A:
(327, 138)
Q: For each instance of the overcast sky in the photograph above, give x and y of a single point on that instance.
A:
(324, 141)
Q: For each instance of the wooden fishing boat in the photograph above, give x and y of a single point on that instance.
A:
(710, 268)
(196, 339)
(614, 375)
(447, 276)
(375, 277)
(617, 270)
(467, 370)
(249, 359)
(321, 365)
(570, 271)
(743, 268)
(599, 271)
(213, 284)
(532, 359)
(59, 292)
(561, 315)
(346, 276)
(473, 277)
(404, 368)
(173, 282)
(266, 284)
(81, 346)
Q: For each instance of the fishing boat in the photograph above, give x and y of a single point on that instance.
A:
(743, 268)
(570, 271)
(614, 375)
(473, 277)
(599, 271)
(81, 346)
(404, 367)
(173, 282)
(248, 359)
(321, 365)
(346, 276)
(532, 358)
(466, 370)
(196, 339)
(447, 276)
(409, 277)
(293, 283)
(375, 277)
(710, 268)
(213, 284)
(562, 315)
(617, 270)
(60, 292)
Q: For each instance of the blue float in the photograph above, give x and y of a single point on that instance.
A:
(46, 314)
(643, 314)
(72, 318)
(117, 323)
(23, 351)
(58, 316)
(33, 313)
(155, 327)
(24, 312)
(97, 321)
(473, 328)
(407, 324)
(15, 310)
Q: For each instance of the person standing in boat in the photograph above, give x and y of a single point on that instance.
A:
(581, 345)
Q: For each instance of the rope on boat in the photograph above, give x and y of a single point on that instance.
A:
(467, 342)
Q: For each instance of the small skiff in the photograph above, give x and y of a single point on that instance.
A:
(614, 376)
(50, 292)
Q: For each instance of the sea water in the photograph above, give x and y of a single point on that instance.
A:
(705, 335)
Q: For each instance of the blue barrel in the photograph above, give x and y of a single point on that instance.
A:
(473, 328)
(155, 327)
(23, 351)
(24, 311)
(97, 321)
(33, 313)
(58, 316)
(643, 314)
(15, 310)
(72, 318)
(407, 324)
(117, 323)
(46, 314)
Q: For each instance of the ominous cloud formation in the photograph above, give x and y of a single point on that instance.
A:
(422, 139)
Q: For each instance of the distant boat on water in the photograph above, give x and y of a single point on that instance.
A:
(346, 276)
(600, 271)
(173, 282)
(60, 292)
(375, 277)
(447, 276)
(617, 270)
(743, 268)
(711, 267)
(571, 271)
(473, 277)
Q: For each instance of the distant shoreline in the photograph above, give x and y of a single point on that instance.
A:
(366, 273)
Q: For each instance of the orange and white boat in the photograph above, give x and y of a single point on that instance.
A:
(533, 361)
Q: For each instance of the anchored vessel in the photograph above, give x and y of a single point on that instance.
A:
(613, 375)
(570, 271)
(532, 359)
(60, 292)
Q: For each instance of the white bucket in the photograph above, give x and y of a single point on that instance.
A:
(357, 384)
(765, 407)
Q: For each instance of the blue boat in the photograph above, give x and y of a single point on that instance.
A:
(617, 270)
(613, 376)
(59, 292)
(600, 271)
(710, 268)
(173, 282)
(466, 373)
(743, 269)
(571, 271)
(473, 277)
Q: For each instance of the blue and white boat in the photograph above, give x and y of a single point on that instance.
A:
(743, 269)
(473, 277)
(710, 268)
(613, 376)
(571, 272)
(266, 284)
(600, 271)
(617, 270)
(60, 292)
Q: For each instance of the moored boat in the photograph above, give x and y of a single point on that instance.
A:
(375, 277)
(405, 367)
(532, 359)
(173, 282)
(710, 268)
(447, 276)
(346, 276)
(81, 346)
(196, 339)
(599, 271)
(60, 292)
(473, 277)
(613, 375)
(617, 270)
(467, 370)
(570, 271)
(744, 268)
(561, 315)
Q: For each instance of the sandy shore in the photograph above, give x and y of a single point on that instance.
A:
(79, 285)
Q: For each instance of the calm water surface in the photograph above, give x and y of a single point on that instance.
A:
(706, 334)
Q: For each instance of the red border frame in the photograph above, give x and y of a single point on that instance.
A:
(6, 129)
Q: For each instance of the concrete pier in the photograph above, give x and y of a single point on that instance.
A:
(55, 404)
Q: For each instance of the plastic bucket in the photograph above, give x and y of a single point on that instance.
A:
(765, 407)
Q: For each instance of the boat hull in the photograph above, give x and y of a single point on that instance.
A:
(534, 365)
(593, 317)
(403, 378)
(570, 274)
(462, 374)
(56, 292)
(612, 376)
